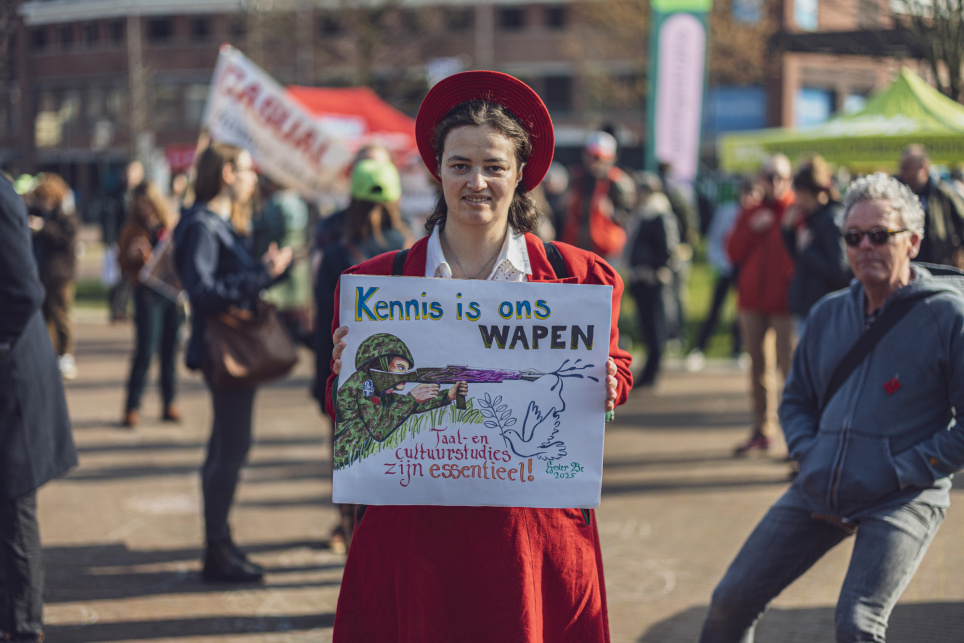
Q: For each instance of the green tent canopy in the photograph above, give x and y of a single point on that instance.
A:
(908, 111)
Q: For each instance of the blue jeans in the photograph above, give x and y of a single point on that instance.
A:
(890, 544)
(156, 322)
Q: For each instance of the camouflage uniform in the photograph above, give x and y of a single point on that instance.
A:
(363, 415)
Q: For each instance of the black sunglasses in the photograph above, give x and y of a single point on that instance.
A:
(877, 236)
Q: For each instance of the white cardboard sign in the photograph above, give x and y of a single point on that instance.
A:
(530, 430)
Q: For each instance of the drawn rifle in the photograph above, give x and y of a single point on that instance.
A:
(385, 380)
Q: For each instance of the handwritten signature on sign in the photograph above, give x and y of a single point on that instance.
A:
(564, 470)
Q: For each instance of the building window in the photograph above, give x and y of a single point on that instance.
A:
(38, 38)
(330, 25)
(95, 103)
(70, 105)
(734, 109)
(201, 29)
(556, 17)
(459, 19)
(115, 31)
(853, 103)
(160, 29)
(117, 105)
(805, 14)
(747, 11)
(67, 36)
(557, 92)
(195, 98)
(167, 103)
(91, 33)
(236, 30)
(812, 106)
(512, 18)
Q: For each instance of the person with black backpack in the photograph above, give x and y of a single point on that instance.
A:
(869, 414)
(649, 256)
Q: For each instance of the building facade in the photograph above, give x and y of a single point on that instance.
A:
(95, 82)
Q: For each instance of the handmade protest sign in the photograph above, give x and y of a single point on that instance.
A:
(456, 392)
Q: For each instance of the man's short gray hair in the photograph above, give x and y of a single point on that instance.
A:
(881, 187)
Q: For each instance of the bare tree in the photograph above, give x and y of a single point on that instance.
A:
(938, 28)
(738, 51)
(381, 44)
(616, 31)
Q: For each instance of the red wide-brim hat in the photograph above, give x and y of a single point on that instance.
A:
(493, 87)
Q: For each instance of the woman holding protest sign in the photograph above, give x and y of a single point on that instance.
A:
(433, 573)
(214, 262)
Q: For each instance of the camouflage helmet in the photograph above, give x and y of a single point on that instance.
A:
(381, 345)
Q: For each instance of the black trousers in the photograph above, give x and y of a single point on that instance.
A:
(651, 314)
(227, 452)
(21, 568)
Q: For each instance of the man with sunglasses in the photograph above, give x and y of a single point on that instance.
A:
(764, 272)
(877, 450)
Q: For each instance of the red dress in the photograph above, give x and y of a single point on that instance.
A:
(421, 574)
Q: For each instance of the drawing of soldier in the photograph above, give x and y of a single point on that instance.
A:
(364, 415)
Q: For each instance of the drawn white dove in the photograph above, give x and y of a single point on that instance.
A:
(537, 434)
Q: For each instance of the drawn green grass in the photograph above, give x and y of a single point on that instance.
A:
(420, 422)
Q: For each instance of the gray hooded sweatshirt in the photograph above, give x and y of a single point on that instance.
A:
(889, 434)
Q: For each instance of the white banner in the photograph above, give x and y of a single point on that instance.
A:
(679, 94)
(248, 108)
(471, 393)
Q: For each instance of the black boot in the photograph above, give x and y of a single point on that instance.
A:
(225, 563)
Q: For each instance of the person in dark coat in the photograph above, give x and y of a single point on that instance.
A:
(35, 435)
(943, 240)
(650, 256)
(811, 233)
(55, 226)
(214, 262)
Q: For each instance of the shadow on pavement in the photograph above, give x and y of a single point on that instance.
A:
(692, 421)
(282, 470)
(191, 445)
(690, 485)
(685, 458)
(186, 628)
(110, 572)
(910, 623)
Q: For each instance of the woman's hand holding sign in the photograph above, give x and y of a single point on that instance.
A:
(338, 339)
(610, 385)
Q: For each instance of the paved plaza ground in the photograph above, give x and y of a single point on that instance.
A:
(122, 532)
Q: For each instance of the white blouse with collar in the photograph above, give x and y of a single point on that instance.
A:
(512, 263)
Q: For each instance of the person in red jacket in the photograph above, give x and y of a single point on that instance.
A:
(426, 574)
(765, 269)
(601, 197)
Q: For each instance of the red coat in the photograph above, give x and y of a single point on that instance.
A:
(424, 574)
(765, 267)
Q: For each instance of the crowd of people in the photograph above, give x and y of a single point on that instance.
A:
(817, 272)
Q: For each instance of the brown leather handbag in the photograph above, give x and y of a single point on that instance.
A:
(247, 348)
